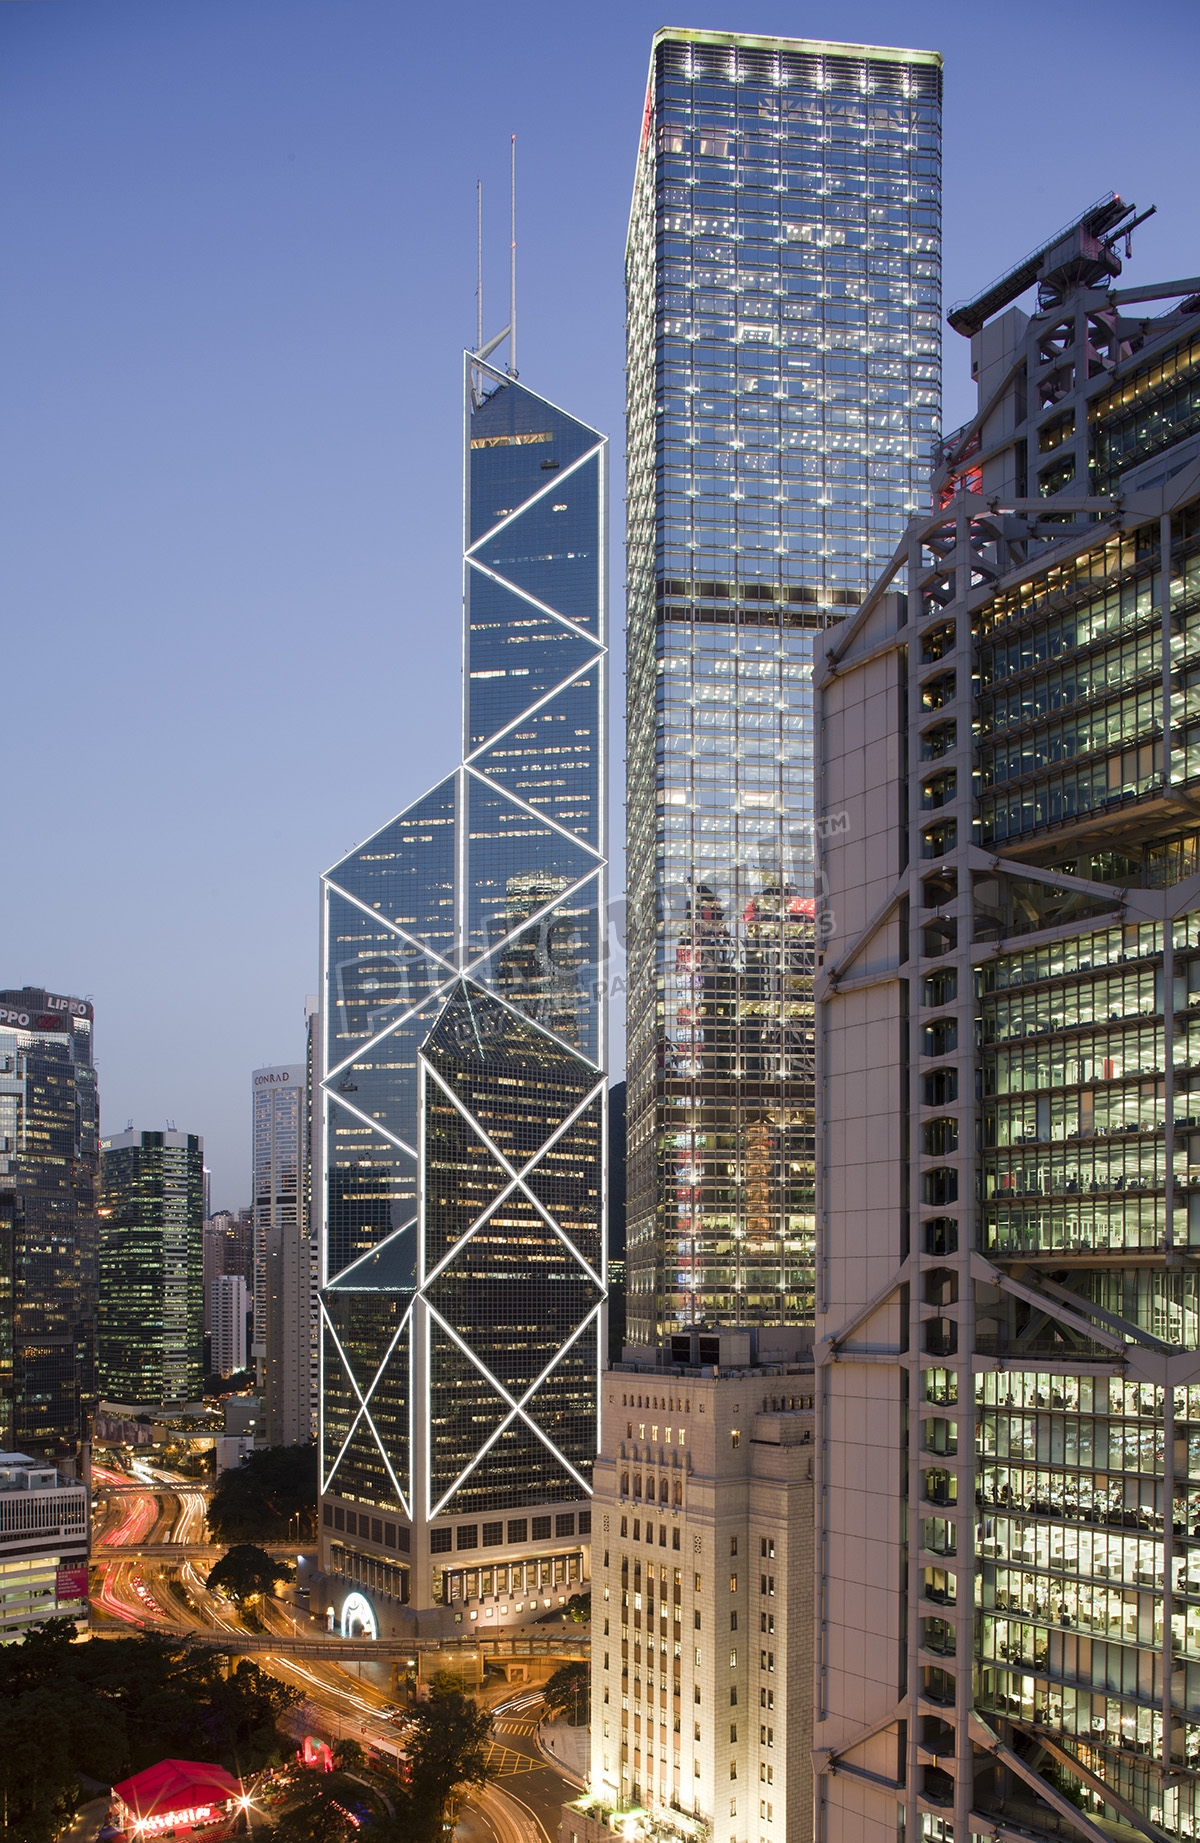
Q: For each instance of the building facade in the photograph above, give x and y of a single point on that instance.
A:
(151, 1319)
(783, 279)
(276, 1178)
(309, 1166)
(1008, 1347)
(43, 1547)
(702, 1607)
(228, 1249)
(462, 1092)
(289, 1403)
(229, 1309)
(49, 1172)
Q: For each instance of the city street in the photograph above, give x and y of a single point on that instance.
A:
(156, 1513)
(520, 1774)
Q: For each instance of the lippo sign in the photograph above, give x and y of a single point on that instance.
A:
(71, 1582)
(50, 1017)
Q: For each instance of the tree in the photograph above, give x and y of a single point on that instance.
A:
(38, 1782)
(566, 1692)
(259, 1499)
(111, 1708)
(447, 1747)
(579, 1608)
(318, 1810)
(245, 1571)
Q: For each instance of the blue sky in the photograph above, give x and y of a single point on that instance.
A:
(238, 273)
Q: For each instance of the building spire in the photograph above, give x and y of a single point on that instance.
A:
(512, 265)
(478, 263)
(508, 332)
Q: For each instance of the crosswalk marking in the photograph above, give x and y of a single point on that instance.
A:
(516, 1727)
(506, 1763)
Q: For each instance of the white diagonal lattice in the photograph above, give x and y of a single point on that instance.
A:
(523, 806)
(551, 486)
(399, 1085)
(363, 1401)
(516, 1407)
(516, 1178)
(347, 1273)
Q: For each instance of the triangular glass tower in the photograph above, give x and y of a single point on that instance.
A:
(462, 1119)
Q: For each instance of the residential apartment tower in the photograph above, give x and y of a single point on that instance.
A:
(277, 1099)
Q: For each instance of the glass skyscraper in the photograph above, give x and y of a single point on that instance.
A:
(783, 282)
(49, 1170)
(463, 1266)
(151, 1317)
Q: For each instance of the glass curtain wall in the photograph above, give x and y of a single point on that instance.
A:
(49, 1176)
(464, 1034)
(783, 275)
(151, 1321)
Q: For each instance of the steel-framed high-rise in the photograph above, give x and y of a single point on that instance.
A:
(783, 272)
(1008, 1353)
(462, 1096)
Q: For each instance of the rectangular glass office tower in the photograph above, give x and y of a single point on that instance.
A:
(1008, 1317)
(462, 1095)
(783, 388)
(151, 1314)
(49, 1180)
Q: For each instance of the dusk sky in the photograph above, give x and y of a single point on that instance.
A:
(238, 272)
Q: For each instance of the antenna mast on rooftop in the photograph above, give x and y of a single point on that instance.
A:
(478, 263)
(512, 266)
(508, 332)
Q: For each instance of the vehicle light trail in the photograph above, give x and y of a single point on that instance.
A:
(139, 1515)
(109, 1600)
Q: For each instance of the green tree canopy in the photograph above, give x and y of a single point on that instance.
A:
(318, 1809)
(567, 1692)
(246, 1570)
(447, 1747)
(115, 1706)
(257, 1500)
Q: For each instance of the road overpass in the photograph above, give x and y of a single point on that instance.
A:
(331, 1649)
(189, 1551)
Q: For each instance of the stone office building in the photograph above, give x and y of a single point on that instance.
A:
(702, 1619)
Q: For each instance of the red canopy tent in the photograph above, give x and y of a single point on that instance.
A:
(176, 1795)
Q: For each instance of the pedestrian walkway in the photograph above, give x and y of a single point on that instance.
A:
(569, 1748)
(87, 1820)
